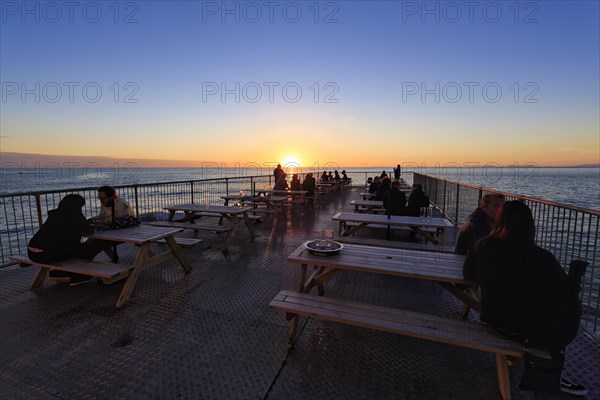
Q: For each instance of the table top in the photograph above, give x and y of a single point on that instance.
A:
(376, 203)
(283, 191)
(137, 234)
(268, 198)
(189, 207)
(393, 220)
(441, 267)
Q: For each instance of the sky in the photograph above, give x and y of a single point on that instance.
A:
(353, 83)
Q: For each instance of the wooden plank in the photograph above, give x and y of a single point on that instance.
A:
(440, 329)
(189, 225)
(79, 266)
(394, 244)
(183, 242)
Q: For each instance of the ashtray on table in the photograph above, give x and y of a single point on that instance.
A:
(324, 247)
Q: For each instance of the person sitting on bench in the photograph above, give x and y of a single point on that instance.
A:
(59, 238)
(525, 293)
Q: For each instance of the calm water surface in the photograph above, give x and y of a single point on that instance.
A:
(573, 186)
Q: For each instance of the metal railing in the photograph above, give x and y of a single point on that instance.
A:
(568, 232)
(22, 214)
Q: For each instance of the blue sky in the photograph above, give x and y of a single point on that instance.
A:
(542, 55)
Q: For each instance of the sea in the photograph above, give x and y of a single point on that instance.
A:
(578, 187)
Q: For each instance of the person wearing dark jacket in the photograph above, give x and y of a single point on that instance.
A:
(295, 183)
(479, 223)
(525, 292)
(374, 186)
(394, 201)
(59, 238)
(416, 200)
(384, 187)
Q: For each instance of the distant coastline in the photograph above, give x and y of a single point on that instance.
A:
(32, 161)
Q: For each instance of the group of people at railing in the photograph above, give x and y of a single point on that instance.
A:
(335, 177)
(309, 184)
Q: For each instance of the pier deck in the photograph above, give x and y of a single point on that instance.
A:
(211, 334)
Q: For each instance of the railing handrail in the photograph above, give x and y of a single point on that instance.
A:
(518, 196)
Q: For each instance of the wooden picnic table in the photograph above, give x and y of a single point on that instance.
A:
(194, 211)
(350, 223)
(142, 237)
(270, 202)
(442, 268)
(369, 206)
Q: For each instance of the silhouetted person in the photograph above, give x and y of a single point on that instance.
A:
(59, 238)
(416, 200)
(394, 201)
(525, 292)
(479, 223)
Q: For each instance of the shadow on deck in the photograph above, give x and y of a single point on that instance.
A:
(211, 335)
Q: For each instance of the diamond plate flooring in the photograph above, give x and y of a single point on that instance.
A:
(211, 334)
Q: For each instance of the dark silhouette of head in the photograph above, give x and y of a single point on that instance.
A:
(71, 202)
(515, 221)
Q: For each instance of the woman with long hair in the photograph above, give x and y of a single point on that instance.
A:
(525, 293)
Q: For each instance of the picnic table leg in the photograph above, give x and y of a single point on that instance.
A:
(249, 225)
(178, 253)
(227, 240)
(293, 326)
(39, 278)
(138, 264)
(503, 376)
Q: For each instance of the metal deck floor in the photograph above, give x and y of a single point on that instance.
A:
(211, 334)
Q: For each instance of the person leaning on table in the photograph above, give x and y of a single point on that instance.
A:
(525, 293)
(59, 238)
(111, 206)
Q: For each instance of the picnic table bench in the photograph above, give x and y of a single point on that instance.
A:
(142, 237)
(235, 216)
(472, 335)
(396, 244)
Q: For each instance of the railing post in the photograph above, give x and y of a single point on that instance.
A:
(192, 191)
(137, 200)
(457, 202)
(445, 192)
(38, 205)
(227, 186)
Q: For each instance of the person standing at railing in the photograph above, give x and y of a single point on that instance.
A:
(277, 171)
(59, 238)
(479, 223)
(526, 294)
(397, 171)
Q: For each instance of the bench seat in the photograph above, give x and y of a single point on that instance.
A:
(189, 225)
(395, 244)
(393, 227)
(472, 335)
(240, 216)
(183, 242)
(93, 268)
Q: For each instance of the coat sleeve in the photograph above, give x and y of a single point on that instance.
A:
(470, 271)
